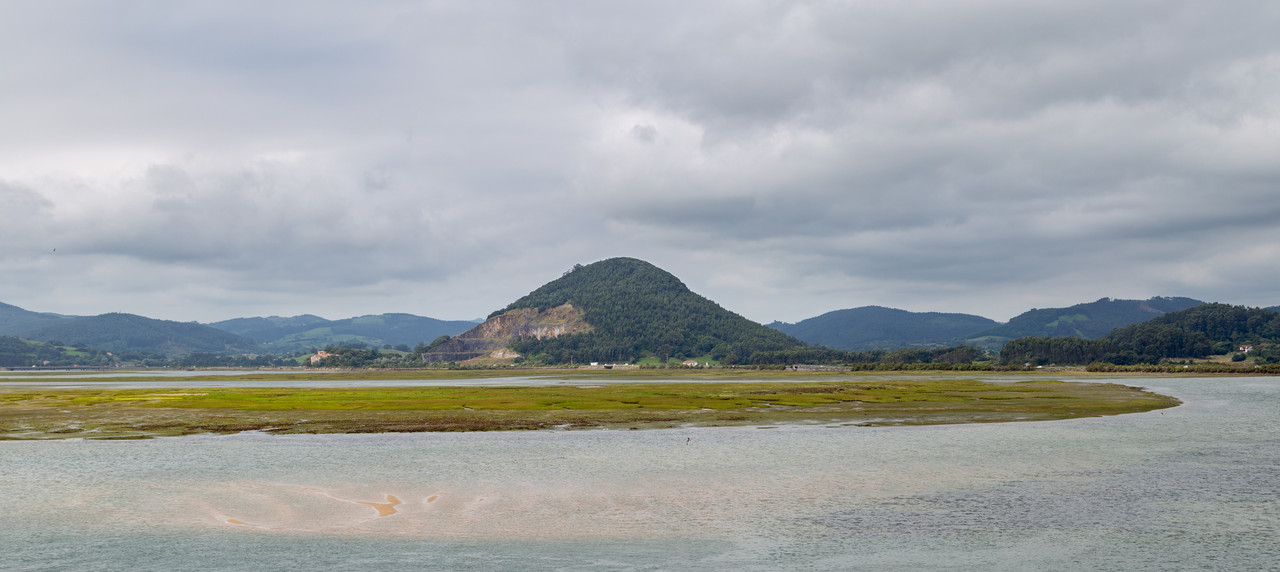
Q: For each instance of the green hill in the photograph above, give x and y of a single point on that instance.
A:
(1196, 332)
(277, 334)
(15, 321)
(616, 310)
(128, 332)
(880, 328)
(20, 353)
(265, 329)
(1090, 320)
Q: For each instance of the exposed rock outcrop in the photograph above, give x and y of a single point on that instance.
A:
(492, 337)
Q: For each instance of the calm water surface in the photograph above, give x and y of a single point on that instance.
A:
(1194, 487)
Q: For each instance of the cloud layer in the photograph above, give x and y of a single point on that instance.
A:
(201, 161)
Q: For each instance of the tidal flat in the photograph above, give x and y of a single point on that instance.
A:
(612, 400)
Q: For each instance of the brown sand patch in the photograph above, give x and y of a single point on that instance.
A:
(384, 508)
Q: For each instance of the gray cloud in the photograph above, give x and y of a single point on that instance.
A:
(201, 161)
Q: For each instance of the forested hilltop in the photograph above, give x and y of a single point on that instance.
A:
(880, 328)
(874, 327)
(636, 310)
(1198, 332)
(15, 321)
(118, 332)
(278, 335)
(1089, 320)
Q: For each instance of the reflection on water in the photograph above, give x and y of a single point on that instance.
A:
(1187, 487)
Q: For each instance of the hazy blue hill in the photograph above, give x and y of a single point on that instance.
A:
(636, 309)
(400, 328)
(15, 321)
(277, 334)
(1090, 320)
(877, 327)
(129, 332)
(266, 328)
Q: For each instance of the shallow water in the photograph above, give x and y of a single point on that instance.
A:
(1189, 487)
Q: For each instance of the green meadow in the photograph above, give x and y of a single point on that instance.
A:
(712, 400)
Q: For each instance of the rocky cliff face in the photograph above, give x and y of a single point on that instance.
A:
(493, 336)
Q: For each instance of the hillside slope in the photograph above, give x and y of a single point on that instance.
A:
(616, 310)
(15, 321)
(1089, 320)
(1195, 332)
(277, 334)
(877, 327)
(129, 332)
(264, 329)
(21, 353)
(1198, 332)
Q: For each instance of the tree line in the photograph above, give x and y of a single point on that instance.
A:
(1194, 333)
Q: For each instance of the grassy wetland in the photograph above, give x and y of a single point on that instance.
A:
(628, 400)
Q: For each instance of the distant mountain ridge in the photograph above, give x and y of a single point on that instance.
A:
(1089, 320)
(877, 327)
(297, 333)
(15, 321)
(855, 329)
(269, 328)
(130, 332)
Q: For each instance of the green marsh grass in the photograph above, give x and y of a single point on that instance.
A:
(716, 400)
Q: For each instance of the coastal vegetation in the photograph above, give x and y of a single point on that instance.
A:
(18, 352)
(577, 403)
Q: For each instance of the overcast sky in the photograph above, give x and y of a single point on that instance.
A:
(211, 160)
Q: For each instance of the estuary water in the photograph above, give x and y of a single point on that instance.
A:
(1193, 487)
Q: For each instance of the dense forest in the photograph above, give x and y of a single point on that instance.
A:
(943, 358)
(1036, 350)
(638, 310)
(18, 353)
(1197, 332)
